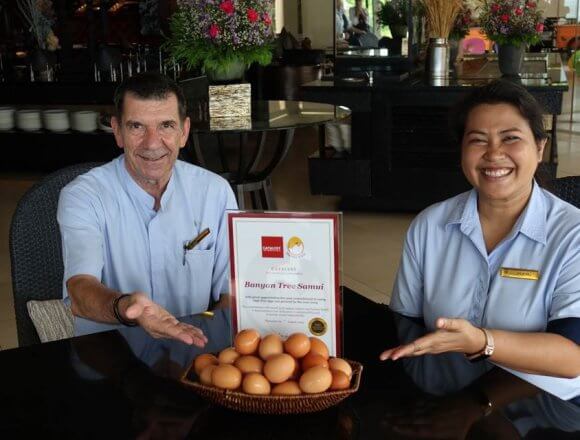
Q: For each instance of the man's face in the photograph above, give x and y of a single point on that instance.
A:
(151, 134)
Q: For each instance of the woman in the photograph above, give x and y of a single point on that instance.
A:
(341, 24)
(496, 271)
(346, 34)
(359, 17)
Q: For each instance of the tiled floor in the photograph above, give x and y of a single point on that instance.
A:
(372, 242)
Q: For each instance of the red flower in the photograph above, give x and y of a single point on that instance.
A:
(530, 5)
(505, 18)
(214, 30)
(252, 15)
(519, 11)
(267, 19)
(227, 6)
(540, 27)
(495, 7)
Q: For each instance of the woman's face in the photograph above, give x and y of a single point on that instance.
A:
(499, 154)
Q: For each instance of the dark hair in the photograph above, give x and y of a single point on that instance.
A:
(150, 86)
(500, 92)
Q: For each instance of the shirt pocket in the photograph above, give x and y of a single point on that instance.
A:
(199, 271)
(517, 305)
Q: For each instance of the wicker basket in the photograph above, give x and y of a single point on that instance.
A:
(304, 403)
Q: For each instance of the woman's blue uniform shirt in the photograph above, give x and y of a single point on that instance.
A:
(446, 271)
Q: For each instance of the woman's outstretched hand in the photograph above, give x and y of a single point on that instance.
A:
(452, 334)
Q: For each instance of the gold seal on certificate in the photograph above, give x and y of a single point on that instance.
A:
(284, 271)
(317, 326)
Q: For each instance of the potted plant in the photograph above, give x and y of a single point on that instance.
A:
(512, 24)
(39, 16)
(223, 37)
(394, 15)
(460, 30)
(462, 23)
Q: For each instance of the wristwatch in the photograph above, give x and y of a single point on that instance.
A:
(487, 349)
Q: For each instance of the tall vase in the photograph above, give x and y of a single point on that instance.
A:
(232, 71)
(510, 59)
(229, 96)
(438, 58)
(42, 64)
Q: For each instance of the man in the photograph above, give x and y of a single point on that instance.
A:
(129, 227)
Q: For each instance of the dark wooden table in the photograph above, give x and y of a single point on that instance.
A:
(123, 384)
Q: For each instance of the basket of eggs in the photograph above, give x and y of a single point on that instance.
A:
(273, 376)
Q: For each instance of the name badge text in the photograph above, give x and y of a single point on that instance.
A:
(521, 274)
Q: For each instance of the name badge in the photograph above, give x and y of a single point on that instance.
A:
(520, 274)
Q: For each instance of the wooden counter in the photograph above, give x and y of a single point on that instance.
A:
(403, 156)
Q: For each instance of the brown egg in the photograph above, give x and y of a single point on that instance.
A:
(270, 344)
(297, 345)
(204, 360)
(249, 364)
(247, 341)
(315, 380)
(228, 355)
(288, 388)
(341, 365)
(255, 383)
(313, 360)
(340, 381)
(205, 375)
(226, 376)
(279, 367)
(318, 346)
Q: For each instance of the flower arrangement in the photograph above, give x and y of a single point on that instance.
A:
(462, 23)
(512, 22)
(217, 33)
(40, 16)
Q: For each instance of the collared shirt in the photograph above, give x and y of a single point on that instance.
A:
(445, 269)
(111, 231)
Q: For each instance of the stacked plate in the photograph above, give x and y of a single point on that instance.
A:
(56, 120)
(84, 121)
(6, 118)
(28, 120)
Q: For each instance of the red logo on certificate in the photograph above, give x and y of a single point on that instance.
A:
(272, 247)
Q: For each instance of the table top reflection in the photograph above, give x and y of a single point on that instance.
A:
(364, 52)
(274, 115)
(124, 384)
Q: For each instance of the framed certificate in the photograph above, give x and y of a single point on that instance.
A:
(285, 274)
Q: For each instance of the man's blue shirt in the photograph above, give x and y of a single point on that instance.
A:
(111, 231)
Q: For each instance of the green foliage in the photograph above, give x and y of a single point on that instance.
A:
(390, 15)
(462, 23)
(190, 42)
(396, 14)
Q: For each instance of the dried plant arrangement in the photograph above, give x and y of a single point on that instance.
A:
(441, 15)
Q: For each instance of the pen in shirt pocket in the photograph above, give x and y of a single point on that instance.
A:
(193, 243)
